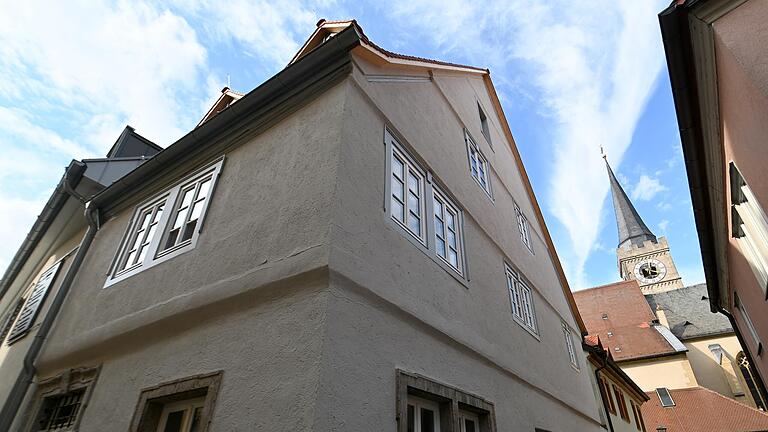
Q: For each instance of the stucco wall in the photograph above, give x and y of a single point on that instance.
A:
(740, 40)
(671, 372)
(372, 253)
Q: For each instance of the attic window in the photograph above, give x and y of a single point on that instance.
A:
(610, 334)
(617, 349)
(605, 316)
(484, 124)
(665, 397)
(687, 323)
(704, 298)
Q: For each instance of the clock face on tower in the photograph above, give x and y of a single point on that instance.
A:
(650, 271)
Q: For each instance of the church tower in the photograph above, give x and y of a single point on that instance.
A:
(641, 255)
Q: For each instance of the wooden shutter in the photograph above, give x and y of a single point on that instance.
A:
(10, 319)
(32, 306)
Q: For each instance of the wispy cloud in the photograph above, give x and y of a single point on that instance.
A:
(647, 188)
(663, 225)
(594, 73)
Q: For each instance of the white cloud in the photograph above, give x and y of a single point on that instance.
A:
(647, 188)
(663, 225)
(594, 72)
(16, 218)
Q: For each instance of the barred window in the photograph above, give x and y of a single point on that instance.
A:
(59, 412)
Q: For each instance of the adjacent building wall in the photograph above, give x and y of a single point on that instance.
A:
(740, 40)
(671, 372)
(724, 377)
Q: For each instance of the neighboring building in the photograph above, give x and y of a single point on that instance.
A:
(701, 410)
(620, 399)
(716, 52)
(660, 332)
(352, 246)
(30, 291)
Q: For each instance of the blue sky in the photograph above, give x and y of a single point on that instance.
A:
(572, 78)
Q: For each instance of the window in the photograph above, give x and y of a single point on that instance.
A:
(468, 422)
(10, 318)
(484, 124)
(407, 194)
(423, 415)
(622, 403)
(750, 326)
(478, 165)
(523, 226)
(184, 416)
(605, 392)
(447, 236)
(749, 226)
(521, 299)
(635, 410)
(665, 397)
(60, 400)
(166, 225)
(423, 210)
(35, 299)
(569, 345)
(424, 405)
(183, 405)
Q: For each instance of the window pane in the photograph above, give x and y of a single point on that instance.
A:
(398, 211)
(397, 167)
(411, 421)
(452, 258)
(438, 208)
(469, 425)
(440, 247)
(449, 219)
(397, 188)
(413, 204)
(427, 420)
(205, 186)
(413, 183)
(189, 230)
(438, 227)
(195, 427)
(414, 223)
(452, 239)
(173, 423)
(186, 198)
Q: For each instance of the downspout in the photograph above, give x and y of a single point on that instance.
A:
(760, 383)
(27, 374)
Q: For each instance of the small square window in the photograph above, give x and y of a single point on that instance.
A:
(60, 401)
(484, 124)
(59, 412)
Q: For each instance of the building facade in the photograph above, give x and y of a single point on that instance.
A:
(715, 51)
(353, 245)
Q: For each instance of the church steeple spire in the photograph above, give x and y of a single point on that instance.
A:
(632, 229)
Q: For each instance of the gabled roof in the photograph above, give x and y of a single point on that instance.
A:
(631, 228)
(620, 316)
(328, 29)
(227, 98)
(702, 410)
(688, 312)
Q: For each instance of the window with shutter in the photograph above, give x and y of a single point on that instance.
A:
(8, 322)
(32, 305)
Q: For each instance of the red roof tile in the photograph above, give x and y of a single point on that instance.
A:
(627, 319)
(702, 410)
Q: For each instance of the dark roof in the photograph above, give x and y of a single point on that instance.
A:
(631, 227)
(621, 310)
(688, 312)
(131, 144)
(702, 410)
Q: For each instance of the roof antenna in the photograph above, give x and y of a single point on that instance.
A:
(602, 153)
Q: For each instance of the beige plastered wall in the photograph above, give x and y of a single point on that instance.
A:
(671, 372)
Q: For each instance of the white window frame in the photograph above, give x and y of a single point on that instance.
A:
(569, 345)
(418, 403)
(187, 406)
(447, 208)
(168, 200)
(410, 170)
(464, 416)
(430, 192)
(524, 227)
(479, 168)
(748, 321)
(521, 301)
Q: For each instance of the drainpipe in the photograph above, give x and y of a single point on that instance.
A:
(27, 374)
